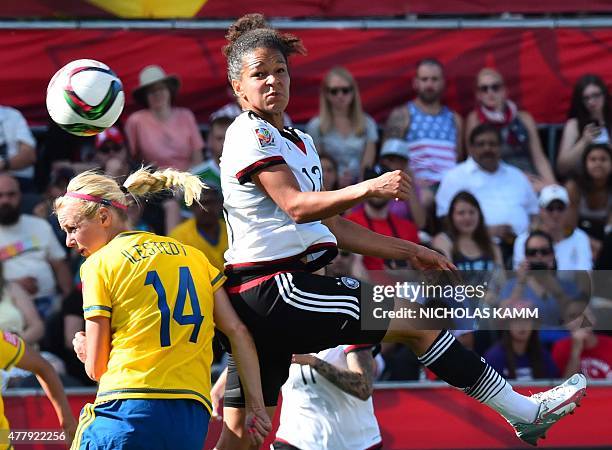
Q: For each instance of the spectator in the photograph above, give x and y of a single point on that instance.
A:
(589, 122)
(161, 134)
(572, 251)
(206, 230)
(466, 240)
(585, 350)
(504, 193)
(519, 355)
(209, 170)
(111, 153)
(395, 156)
(17, 148)
(58, 181)
(430, 130)
(232, 109)
(590, 194)
(342, 128)
(538, 282)
(30, 252)
(17, 312)
(376, 216)
(329, 166)
(521, 145)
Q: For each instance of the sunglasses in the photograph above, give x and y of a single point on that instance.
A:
(557, 208)
(495, 87)
(344, 254)
(337, 90)
(538, 251)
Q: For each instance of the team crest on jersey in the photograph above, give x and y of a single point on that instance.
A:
(11, 338)
(350, 283)
(265, 137)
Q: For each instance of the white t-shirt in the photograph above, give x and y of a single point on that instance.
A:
(571, 253)
(13, 130)
(505, 196)
(26, 249)
(259, 231)
(316, 414)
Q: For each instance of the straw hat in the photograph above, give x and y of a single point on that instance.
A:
(151, 75)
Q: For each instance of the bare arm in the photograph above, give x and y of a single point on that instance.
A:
(25, 157)
(358, 380)
(540, 161)
(572, 145)
(368, 158)
(459, 138)
(62, 275)
(98, 346)
(397, 124)
(34, 326)
(51, 384)
(471, 122)
(574, 195)
(443, 243)
(279, 183)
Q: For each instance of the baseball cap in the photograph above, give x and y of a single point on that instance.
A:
(395, 147)
(551, 193)
(111, 134)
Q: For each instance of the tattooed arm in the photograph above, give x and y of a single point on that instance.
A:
(397, 124)
(358, 380)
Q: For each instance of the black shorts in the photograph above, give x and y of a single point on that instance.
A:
(295, 312)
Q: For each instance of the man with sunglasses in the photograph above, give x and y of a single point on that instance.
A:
(111, 153)
(430, 130)
(572, 250)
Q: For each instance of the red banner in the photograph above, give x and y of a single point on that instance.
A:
(540, 65)
(427, 418)
(214, 9)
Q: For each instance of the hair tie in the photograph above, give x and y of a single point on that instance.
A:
(96, 199)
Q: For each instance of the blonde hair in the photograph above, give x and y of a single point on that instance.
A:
(141, 183)
(489, 71)
(356, 114)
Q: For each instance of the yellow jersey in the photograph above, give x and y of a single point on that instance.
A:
(187, 233)
(158, 294)
(11, 352)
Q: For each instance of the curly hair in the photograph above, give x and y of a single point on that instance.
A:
(250, 32)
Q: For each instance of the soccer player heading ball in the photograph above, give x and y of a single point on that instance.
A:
(284, 227)
(151, 305)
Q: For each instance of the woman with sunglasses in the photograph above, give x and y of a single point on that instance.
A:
(590, 194)
(589, 122)
(342, 128)
(521, 145)
(284, 229)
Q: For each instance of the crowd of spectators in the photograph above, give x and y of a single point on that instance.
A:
(484, 193)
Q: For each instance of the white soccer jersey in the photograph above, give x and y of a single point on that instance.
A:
(316, 414)
(260, 233)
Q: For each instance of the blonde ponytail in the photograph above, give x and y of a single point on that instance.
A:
(144, 182)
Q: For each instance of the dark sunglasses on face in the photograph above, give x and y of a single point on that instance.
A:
(553, 208)
(538, 251)
(495, 87)
(337, 90)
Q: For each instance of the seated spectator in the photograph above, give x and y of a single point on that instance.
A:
(589, 122)
(232, 109)
(206, 231)
(572, 251)
(17, 148)
(111, 153)
(30, 252)
(504, 193)
(521, 145)
(329, 166)
(590, 194)
(163, 135)
(17, 312)
(519, 355)
(209, 169)
(584, 351)
(538, 281)
(466, 241)
(376, 216)
(430, 130)
(342, 128)
(395, 156)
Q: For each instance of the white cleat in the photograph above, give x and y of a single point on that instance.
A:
(554, 404)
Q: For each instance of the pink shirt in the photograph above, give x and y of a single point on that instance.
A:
(170, 143)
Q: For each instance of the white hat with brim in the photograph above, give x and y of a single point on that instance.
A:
(151, 75)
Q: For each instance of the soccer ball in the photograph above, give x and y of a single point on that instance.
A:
(85, 97)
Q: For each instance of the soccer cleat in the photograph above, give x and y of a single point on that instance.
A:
(554, 404)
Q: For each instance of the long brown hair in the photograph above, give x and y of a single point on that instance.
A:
(356, 114)
(535, 354)
(480, 235)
